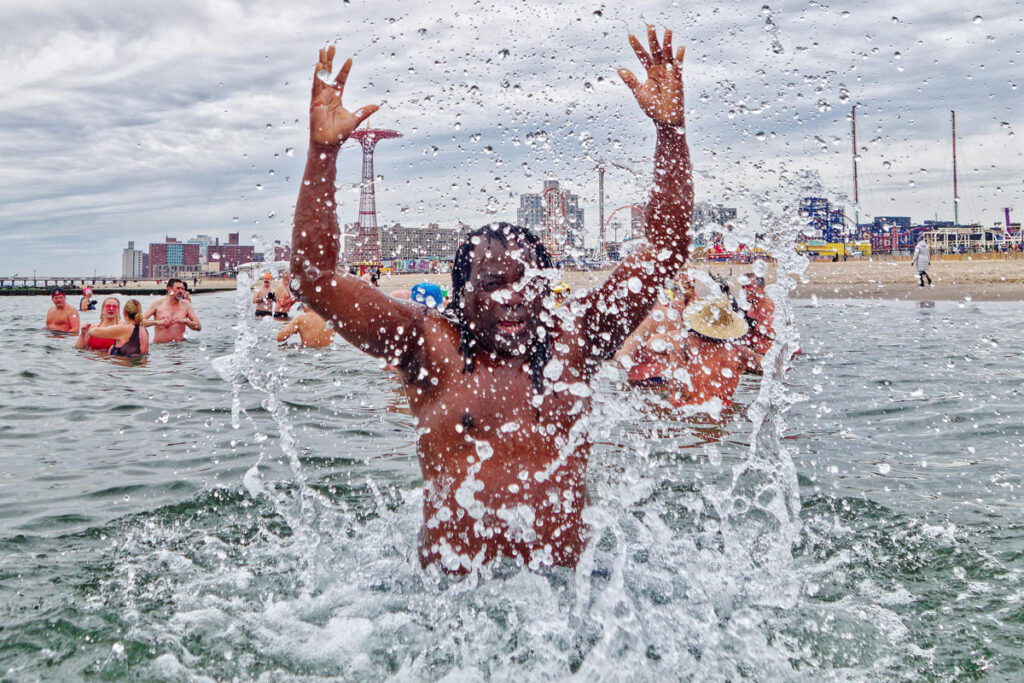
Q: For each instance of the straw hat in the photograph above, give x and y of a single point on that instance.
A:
(715, 319)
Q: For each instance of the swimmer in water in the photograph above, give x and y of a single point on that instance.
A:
(172, 314)
(660, 332)
(130, 338)
(499, 386)
(311, 328)
(86, 303)
(110, 316)
(283, 299)
(701, 367)
(263, 296)
(61, 317)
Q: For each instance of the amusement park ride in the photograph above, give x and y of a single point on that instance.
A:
(366, 254)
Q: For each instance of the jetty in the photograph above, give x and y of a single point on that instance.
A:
(33, 285)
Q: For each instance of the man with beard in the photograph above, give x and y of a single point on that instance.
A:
(499, 385)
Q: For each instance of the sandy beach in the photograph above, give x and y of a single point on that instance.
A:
(976, 278)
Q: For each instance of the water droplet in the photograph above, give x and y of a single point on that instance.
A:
(977, 19)
(289, 151)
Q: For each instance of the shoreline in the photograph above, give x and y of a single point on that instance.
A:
(979, 277)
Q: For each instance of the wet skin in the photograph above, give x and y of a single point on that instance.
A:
(713, 369)
(259, 296)
(61, 317)
(173, 314)
(503, 468)
(311, 328)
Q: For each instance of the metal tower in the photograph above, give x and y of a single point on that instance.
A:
(367, 247)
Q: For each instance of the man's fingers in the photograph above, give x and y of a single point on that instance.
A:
(679, 54)
(652, 40)
(363, 113)
(666, 46)
(630, 80)
(330, 56)
(343, 74)
(641, 53)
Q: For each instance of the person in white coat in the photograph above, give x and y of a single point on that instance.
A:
(922, 260)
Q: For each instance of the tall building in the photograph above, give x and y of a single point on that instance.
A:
(229, 256)
(204, 242)
(637, 221)
(554, 214)
(133, 262)
(172, 258)
(432, 242)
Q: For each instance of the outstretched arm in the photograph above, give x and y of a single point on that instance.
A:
(615, 309)
(288, 330)
(362, 314)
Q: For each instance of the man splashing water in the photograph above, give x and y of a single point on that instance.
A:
(499, 385)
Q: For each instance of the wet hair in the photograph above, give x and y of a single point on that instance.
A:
(539, 350)
(133, 311)
(170, 283)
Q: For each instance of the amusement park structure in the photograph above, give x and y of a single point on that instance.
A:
(366, 253)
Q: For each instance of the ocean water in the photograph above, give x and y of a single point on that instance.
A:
(229, 509)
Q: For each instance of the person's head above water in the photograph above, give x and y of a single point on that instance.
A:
(110, 311)
(428, 294)
(176, 288)
(58, 296)
(498, 295)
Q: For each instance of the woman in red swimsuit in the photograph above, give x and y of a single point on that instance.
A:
(129, 338)
(110, 314)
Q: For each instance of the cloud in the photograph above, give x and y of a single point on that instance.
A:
(124, 121)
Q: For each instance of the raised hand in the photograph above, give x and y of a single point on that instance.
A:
(661, 97)
(329, 121)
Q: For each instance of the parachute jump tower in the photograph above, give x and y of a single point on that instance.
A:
(366, 253)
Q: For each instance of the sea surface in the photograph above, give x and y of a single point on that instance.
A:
(228, 508)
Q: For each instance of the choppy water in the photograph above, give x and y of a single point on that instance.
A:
(147, 531)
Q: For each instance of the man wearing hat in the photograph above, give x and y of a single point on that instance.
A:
(704, 365)
(61, 317)
(711, 354)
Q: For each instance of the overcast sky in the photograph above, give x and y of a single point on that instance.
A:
(130, 121)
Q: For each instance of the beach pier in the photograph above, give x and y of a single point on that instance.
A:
(29, 285)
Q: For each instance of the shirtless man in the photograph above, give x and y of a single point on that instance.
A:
(499, 386)
(312, 329)
(706, 364)
(659, 331)
(283, 299)
(263, 296)
(61, 317)
(173, 314)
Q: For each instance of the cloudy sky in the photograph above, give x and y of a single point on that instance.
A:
(131, 121)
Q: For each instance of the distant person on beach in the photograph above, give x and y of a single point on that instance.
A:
(263, 296)
(499, 387)
(128, 339)
(922, 261)
(283, 299)
(86, 303)
(311, 328)
(110, 316)
(61, 317)
(173, 314)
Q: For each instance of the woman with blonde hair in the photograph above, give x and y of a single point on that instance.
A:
(129, 338)
(110, 316)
